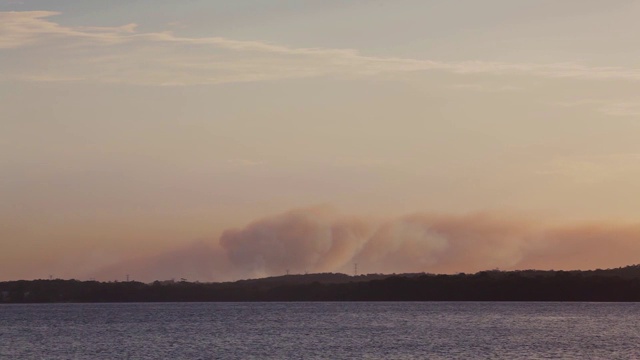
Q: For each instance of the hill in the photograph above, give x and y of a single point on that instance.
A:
(620, 284)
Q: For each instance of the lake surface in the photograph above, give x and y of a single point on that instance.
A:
(367, 330)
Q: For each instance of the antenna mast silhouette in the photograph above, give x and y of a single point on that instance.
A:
(355, 269)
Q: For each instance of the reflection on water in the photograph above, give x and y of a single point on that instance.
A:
(320, 331)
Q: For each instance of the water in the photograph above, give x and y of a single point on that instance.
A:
(425, 330)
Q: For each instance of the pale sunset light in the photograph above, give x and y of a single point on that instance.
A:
(222, 140)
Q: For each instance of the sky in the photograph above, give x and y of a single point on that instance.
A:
(219, 140)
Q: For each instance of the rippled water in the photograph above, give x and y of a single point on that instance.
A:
(321, 331)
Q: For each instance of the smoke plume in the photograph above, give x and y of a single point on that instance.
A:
(320, 240)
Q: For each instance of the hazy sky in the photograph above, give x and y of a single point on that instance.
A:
(140, 136)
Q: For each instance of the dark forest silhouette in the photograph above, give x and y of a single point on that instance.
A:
(621, 284)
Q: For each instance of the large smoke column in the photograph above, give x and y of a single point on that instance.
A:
(313, 240)
(319, 240)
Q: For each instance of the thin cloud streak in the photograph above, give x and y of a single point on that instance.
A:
(611, 107)
(117, 55)
(23, 28)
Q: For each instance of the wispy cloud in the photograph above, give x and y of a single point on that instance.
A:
(608, 106)
(621, 109)
(22, 28)
(486, 88)
(124, 55)
(245, 162)
(593, 170)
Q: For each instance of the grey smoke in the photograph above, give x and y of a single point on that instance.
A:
(320, 240)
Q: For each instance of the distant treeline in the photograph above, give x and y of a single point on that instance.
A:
(622, 284)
